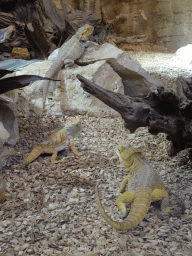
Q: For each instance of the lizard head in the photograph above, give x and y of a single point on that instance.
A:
(73, 126)
(125, 153)
(85, 32)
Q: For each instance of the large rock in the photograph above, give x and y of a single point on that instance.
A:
(137, 82)
(184, 54)
(30, 97)
(105, 65)
(9, 132)
(67, 95)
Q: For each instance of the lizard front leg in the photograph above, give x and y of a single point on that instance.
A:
(74, 149)
(125, 181)
(126, 197)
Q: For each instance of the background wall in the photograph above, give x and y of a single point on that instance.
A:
(167, 22)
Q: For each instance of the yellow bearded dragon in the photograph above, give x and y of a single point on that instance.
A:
(2, 188)
(57, 142)
(144, 186)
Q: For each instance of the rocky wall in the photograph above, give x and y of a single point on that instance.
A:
(173, 23)
(166, 22)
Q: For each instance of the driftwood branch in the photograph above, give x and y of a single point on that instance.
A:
(28, 25)
(39, 26)
(161, 111)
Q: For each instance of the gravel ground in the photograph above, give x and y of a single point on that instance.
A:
(165, 64)
(162, 64)
(50, 209)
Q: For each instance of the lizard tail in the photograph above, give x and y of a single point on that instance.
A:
(37, 151)
(45, 90)
(138, 210)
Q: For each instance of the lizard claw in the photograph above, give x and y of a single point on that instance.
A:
(123, 213)
(170, 209)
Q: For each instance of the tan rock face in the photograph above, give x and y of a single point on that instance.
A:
(67, 95)
(173, 23)
(167, 22)
(127, 17)
(57, 2)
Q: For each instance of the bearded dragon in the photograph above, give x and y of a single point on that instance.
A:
(2, 188)
(68, 53)
(144, 186)
(57, 142)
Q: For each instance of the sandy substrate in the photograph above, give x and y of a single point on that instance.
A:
(165, 66)
(50, 209)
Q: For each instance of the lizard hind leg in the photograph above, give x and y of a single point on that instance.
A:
(161, 194)
(158, 194)
(126, 197)
(165, 205)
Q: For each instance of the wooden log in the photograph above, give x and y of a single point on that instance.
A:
(161, 111)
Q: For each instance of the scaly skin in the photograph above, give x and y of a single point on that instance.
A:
(68, 53)
(144, 186)
(2, 188)
(57, 142)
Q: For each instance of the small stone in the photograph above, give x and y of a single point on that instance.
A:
(14, 241)
(20, 53)
(24, 246)
(17, 247)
